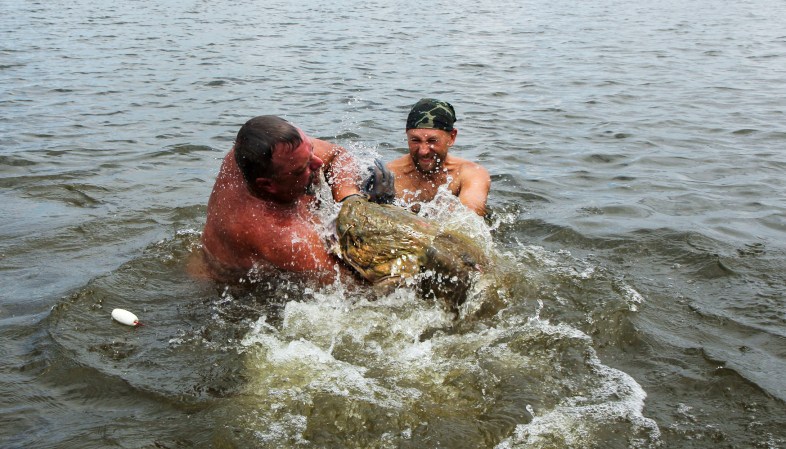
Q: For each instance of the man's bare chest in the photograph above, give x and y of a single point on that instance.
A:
(424, 189)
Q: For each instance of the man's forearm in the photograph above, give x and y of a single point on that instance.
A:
(342, 175)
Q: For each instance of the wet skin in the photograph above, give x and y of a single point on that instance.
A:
(429, 165)
(269, 224)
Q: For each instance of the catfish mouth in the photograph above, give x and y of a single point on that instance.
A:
(353, 247)
(347, 240)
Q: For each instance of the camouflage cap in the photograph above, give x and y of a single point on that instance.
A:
(431, 113)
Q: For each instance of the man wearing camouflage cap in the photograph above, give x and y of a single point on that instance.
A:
(418, 175)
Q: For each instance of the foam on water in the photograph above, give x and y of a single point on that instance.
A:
(577, 421)
(401, 369)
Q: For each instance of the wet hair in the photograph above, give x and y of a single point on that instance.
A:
(255, 142)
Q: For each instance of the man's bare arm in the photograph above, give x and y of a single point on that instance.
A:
(295, 247)
(341, 169)
(475, 186)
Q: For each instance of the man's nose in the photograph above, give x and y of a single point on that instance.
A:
(316, 163)
(425, 148)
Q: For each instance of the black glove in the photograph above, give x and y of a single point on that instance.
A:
(380, 185)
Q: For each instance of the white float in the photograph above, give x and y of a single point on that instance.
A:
(125, 317)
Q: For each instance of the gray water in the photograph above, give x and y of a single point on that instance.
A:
(637, 217)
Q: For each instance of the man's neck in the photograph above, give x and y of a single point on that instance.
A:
(436, 176)
(277, 205)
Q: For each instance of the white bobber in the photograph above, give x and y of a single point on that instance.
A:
(125, 317)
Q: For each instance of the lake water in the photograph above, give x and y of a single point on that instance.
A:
(638, 219)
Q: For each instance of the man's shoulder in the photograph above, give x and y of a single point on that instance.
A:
(466, 166)
(319, 143)
(402, 164)
(324, 149)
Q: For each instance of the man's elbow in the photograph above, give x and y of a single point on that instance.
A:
(479, 207)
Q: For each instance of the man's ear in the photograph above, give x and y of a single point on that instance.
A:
(263, 185)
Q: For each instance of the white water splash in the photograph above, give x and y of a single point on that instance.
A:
(371, 357)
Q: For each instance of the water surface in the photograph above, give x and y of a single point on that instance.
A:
(636, 153)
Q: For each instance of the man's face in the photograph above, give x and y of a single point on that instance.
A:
(428, 148)
(295, 170)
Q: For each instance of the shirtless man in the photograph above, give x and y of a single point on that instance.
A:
(259, 214)
(418, 175)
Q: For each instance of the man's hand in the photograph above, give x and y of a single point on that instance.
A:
(380, 185)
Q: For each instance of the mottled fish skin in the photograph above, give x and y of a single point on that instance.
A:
(387, 244)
